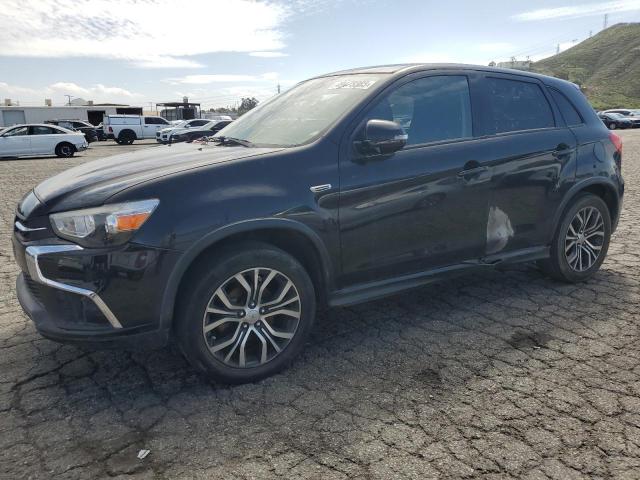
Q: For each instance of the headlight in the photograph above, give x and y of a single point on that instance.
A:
(103, 226)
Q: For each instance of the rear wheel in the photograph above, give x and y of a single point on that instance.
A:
(246, 313)
(581, 240)
(612, 126)
(65, 150)
(126, 137)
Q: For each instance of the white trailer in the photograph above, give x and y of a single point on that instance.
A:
(14, 115)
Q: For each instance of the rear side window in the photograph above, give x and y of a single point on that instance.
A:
(568, 111)
(430, 109)
(514, 106)
(40, 130)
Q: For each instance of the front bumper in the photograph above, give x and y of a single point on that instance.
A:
(99, 296)
(82, 147)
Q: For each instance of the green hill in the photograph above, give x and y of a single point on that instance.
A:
(606, 66)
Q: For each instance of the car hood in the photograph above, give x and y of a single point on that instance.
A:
(93, 183)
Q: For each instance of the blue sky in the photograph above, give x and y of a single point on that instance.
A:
(216, 51)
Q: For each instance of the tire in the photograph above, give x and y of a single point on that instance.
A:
(65, 150)
(612, 126)
(579, 264)
(126, 137)
(231, 351)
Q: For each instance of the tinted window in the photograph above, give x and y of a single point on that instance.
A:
(430, 109)
(199, 123)
(155, 121)
(514, 105)
(38, 130)
(568, 111)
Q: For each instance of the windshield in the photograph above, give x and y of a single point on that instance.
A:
(303, 113)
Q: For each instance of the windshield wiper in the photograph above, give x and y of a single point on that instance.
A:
(233, 141)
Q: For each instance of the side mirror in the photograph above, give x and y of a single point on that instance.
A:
(382, 137)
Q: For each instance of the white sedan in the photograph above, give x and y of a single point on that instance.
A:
(40, 139)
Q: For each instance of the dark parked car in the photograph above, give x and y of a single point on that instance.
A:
(89, 130)
(206, 130)
(615, 120)
(319, 197)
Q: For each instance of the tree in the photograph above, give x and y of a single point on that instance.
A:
(247, 104)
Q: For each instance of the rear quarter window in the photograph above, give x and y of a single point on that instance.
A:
(567, 110)
(513, 105)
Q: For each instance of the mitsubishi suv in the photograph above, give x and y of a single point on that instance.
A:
(347, 187)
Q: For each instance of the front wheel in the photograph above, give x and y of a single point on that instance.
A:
(581, 240)
(612, 126)
(65, 150)
(246, 313)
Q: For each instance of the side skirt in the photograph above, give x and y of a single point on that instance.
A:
(369, 291)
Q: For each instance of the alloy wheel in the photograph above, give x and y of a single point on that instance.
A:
(251, 317)
(584, 239)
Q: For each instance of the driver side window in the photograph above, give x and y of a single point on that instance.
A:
(430, 109)
(17, 132)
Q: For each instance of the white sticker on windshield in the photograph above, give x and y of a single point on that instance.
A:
(359, 84)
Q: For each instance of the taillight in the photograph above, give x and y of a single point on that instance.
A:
(617, 143)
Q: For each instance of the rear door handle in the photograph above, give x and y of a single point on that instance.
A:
(561, 152)
(473, 171)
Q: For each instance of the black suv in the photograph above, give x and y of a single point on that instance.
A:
(347, 187)
(89, 131)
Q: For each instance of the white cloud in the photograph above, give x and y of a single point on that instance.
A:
(583, 10)
(58, 90)
(269, 54)
(166, 62)
(221, 78)
(149, 33)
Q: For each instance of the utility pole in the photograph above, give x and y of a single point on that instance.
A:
(606, 21)
(69, 97)
(590, 33)
(278, 88)
(557, 49)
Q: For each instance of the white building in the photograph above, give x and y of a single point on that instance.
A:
(12, 115)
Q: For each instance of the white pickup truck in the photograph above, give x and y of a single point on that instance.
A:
(124, 129)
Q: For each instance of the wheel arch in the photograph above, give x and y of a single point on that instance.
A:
(295, 238)
(64, 142)
(602, 187)
(128, 131)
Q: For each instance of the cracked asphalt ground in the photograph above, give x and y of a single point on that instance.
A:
(499, 375)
